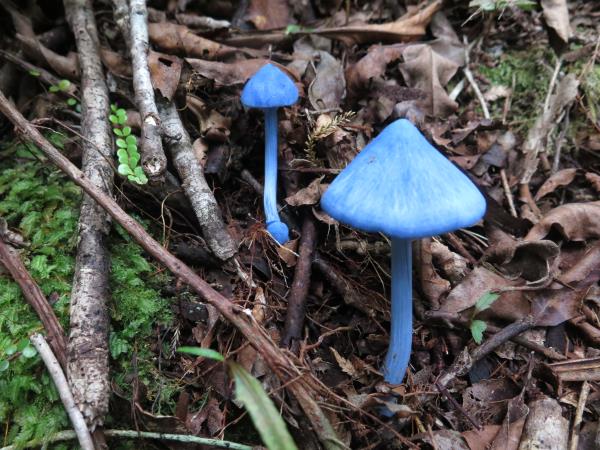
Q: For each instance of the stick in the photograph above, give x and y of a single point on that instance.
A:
(471, 79)
(87, 368)
(196, 188)
(60, 381)
(583, 395)
(132, 434)
(294, 318)
(36, 299)
(154, 160)
(303, 388)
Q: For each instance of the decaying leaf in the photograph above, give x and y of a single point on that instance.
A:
(556, 15)
(560, 178)
(213, 125)
(344, 364)
(433, 286)
(229, 74)
(372, 65)
(574, 221)
(328, 88)
(165, 71)
(309, 195)
(268, 14)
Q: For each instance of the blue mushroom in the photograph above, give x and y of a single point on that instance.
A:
(269, 89)
(400, 185)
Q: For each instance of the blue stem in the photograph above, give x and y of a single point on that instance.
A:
(275, 226)
(398, 356)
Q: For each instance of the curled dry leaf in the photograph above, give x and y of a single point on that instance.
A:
(372, 65)
(426, 69)
(229, 74)
(560, 178)
(556, 15)
(408, 27)
(433, 286)
(309, 195)
(594, 179)
(165, 71)
(574, 221)
(328, 88)
(268, 14)
(213, 125)
(115, 63)
(64, 66)
(180, 39)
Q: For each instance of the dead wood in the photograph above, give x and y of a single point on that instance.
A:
(88, 371)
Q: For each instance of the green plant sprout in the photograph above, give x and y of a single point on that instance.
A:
(477, 327)
(248, 390)
(61, 86)
(127, 152)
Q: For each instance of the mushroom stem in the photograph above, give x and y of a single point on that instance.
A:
(396, 360)
(275, 226)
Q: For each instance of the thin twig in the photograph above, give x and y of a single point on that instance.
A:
(132, 434)
(62, 386)
(472, 82)
(583, 395)
(508, 193)
(457, 405)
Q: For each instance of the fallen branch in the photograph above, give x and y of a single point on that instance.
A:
(60, 381)
(87, 368)
(303, 387)
(154, 160)
(294, 318)
(132, 434)
(36, 299)
(196, 188)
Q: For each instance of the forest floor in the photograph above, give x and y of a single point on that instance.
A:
(506, 333)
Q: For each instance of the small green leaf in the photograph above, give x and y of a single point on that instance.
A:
(113, 107)
(134, 159)
(113, 118)
(132, 149)
(53, 89)
(118, 131)
(477, 329)
(123, 156)
(124, 170)
(29, 351)
(126, 131)
(131, 140)
(71, 102)
(121, 120)
(485, 301)
(121, 143)
(34, 73)
(203, 352)
(4, 364)
(121, 112)
(63, 85)
(11, 350)
(265, 416)
(78, 107)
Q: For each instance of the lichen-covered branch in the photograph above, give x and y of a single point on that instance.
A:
(154, 161)
(199, 193)
(87, 367)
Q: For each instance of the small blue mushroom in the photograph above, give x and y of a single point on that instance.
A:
(269, 89)
(400, 185)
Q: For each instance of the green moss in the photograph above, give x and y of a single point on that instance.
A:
(40, 203)
(530, 71)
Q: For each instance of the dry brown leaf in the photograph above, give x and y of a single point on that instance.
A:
(426, 69)
(372, 65)
(268, 14)
(594, 179)
(229, 74)
(165, 71)
(115, 63)
(481, 439)
(560, 178)
(328, 88)
(445, 440)
(213, 125)
(288, 252)
(433, 286)
(322, 216)
(345, 365)
(574, 221)
(309, 195)
(556, 15)
(408, 27)
(509, 435)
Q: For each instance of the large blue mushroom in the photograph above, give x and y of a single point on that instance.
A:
(400, 185)
(269, 89)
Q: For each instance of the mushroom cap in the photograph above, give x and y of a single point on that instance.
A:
(400, 185)
(269, 87)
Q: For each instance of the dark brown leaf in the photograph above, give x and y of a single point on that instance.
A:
(574, 221)
(268, 14)
(165, 71)
(560, 178)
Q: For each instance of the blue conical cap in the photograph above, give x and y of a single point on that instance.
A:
(269, 88)
(402, 186)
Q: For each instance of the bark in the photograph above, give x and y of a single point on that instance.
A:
(304, 387)
(154, 161)
(196, 188)
(88, 338)
(546, 428)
